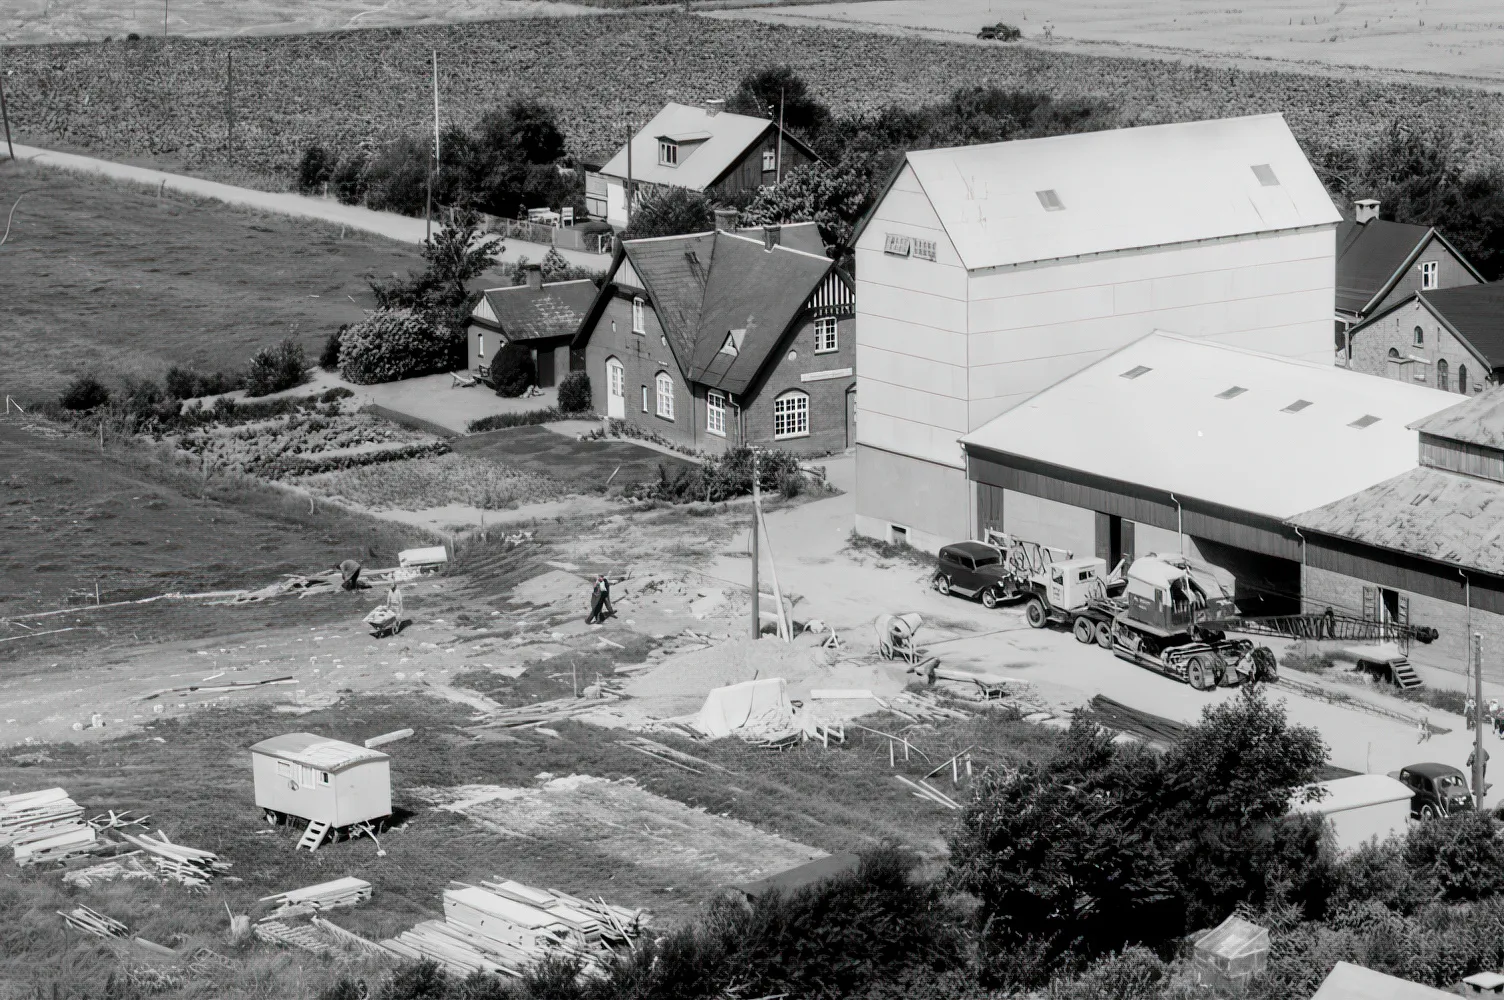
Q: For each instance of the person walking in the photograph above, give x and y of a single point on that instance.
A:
(1423, 726)
(1472, 757)
(1493, 717)
(600, 601)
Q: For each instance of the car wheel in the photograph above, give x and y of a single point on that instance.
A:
(942, 584)
(990, 598)
(1104, 635)
(1084, 630)
(1196, 673)
(1428, 811)
(1034, 613)
(271, 818)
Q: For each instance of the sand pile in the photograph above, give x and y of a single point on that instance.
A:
(679, 685)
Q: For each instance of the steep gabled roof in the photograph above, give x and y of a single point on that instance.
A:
(710, 145)
(1474, 313)
(1064, 196)
(708, 287)
(1372, 257)
(523, 313)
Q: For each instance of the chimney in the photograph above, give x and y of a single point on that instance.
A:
(725, 219)
(715, 106)
(1365, 210)
(771, 236)
(534, 274)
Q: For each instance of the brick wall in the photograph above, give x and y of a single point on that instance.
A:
(827, 397)
(1449, 274)
(1371, 346)
(1344, 594)
(642, 356)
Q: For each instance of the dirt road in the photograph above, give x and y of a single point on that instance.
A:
(388, 224)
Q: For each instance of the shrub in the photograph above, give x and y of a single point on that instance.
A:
(335, 393)
(721, 477)
(1461, 853)
(185, 383)
(316, 166)
(424, 980)
(574, 393)
(329, 356)
(348, 180)
(274, 369)
(391, 344)
(513, 371)
(84, 393)
(1446, 699)
(1308, 663)
(345, 988)
(670, 211)
(527, 418)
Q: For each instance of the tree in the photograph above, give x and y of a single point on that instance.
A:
(392, 344)
(84, 393)
(524, 131)
(761, 93)
(670, 212)
(348, 180)
(513, 370)
(574, 393)
(1461, 854)
(833, 197)
(397, 176)
(276, 368)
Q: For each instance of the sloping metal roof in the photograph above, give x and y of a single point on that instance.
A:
(1234, 937)
(794, 879)
(727, 138)
(1353, 982)
(1121, 189)
(1475, 313)
(524, 313)
(1476, 420)
(1342, 794)
(1170, 429)
(316, 751)
(1442, 516)
(1370, 256)
(706, 285)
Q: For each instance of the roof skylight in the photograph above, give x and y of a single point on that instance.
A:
(1297, 406)
(1136, 372)
(1231, 392)
(1050, 200)
(1367, 420)
(1265, 174)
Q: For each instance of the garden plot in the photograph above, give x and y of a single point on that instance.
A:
(303, 443)
(695, 850)
(428, 483)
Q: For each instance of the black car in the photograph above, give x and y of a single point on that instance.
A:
(1438, 789)
(973, 569)
(1000, 32)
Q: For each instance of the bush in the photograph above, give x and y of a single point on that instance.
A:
(315, 168)
(391, 344)
(274, 369)
(345, 988)
(1446, 699)
(336, 393)
(84, 393)
(1461, 854)
(348, 180)
(185, 383)
(424, 980)
(527, 418)
(721, 477)
(329, 356)
(670, 211)
(513, 371)
(574, 393)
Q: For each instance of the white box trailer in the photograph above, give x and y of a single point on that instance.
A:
(319, 779)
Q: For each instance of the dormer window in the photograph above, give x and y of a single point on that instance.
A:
(1050, 200)
(668, 153)
(1265, 175)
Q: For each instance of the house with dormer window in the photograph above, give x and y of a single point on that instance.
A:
(727, 338)
(701, 149)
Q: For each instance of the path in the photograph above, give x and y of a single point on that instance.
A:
(388, 224)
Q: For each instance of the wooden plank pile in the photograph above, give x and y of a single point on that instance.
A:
(300, 936)
(176, 863)
(44, 825)
(919, 706)
(544, 712)
(57, 845)
(122, 867)
(670, 756)
(81, 918)
(925, 790)
(313, 899)
(505, 927)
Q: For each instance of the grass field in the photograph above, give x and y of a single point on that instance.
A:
(195, 783)
(166, 102)
(584, 466)
(102, 277)
(1451, 37)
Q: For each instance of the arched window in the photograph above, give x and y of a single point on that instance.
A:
(791, 415)
(1462, 379)
(1394, 354)
(665, 387)
(1443, 374)
(1420, 337)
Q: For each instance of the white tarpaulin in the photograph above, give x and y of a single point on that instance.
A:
(728, 709)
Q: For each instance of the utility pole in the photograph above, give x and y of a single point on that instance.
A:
(230, 104)
(433, 175)
(756, 611)
(164, 18)
(779, 175)
(5, 115)
(629, 226)
(1479, 768)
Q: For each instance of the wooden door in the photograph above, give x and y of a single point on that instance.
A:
(545, 367)
(616, 390)
(851, 417)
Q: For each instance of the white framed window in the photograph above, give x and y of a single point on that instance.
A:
(665, 392)
(791, 415)
(615, 377)
(639, 321)
(715, 413)
(323, 777)
(668, 153)
(1419, 337)
(1429, 275)
(825, 335)
(284, 769)
(644, 399)
(769, 161)
(305, 775)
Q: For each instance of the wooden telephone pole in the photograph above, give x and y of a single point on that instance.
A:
(756, 556)
(5, 116)
(433, 176)
(230, 104)
(1479, 767)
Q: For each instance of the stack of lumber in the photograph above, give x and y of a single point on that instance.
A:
(505, 927)
(668, 755)
(544, 712)
(57, 845)
(175, 862)
(348, 939)
(30, 815)
(302, 936)
(313, 899)
(81, 918)
(124, 867)
(919, 706)
(925, 790)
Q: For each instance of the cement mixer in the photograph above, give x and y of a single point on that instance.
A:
(895, 637)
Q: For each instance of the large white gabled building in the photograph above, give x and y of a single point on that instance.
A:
(986, 273)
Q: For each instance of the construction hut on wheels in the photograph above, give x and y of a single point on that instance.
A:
(1187, 447)
(331, 784)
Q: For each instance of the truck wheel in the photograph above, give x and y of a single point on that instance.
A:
(1034, 613)
(1196, 673)
(989, 598)
(1104, 635)
(942, 584)
(1085, 631)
